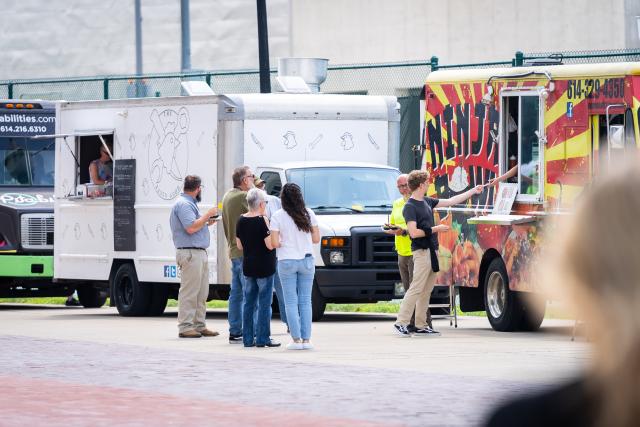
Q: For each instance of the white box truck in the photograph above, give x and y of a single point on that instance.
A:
(342, 150)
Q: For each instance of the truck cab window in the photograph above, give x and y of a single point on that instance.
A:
(26, 161)
(272, 183)
(13, 155)
(614, 145)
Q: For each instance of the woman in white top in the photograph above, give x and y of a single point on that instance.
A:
(294, 230)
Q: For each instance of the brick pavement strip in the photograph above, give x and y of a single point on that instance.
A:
(33, 402)
(82, 382)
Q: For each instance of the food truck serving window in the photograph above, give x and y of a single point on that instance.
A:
(521, 148)
(94, 167)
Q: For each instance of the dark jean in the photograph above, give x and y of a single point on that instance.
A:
(296, 276)
(235, 297)
(277, 285)
(257, 290)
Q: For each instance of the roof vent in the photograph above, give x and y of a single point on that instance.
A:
(313, 71)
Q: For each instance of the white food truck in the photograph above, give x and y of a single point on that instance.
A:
(341, 149)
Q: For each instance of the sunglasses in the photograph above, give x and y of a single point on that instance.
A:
(249, 176)
(403, 185)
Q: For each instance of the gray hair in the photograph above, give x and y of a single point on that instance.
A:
(254, 197)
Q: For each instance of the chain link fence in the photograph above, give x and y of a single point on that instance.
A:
(396, 79)
(403, 80)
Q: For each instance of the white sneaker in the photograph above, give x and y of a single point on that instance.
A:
(295, 346)
(307, 346)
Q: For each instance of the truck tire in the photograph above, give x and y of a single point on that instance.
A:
(159, 297)
(318, 303)
(91, 297)
(534, 308)
(503, 307)
(132, 297)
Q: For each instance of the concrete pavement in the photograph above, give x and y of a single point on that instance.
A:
(58, 363)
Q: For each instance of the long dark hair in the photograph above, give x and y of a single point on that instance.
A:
(293, 204)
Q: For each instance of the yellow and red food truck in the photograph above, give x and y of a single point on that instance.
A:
(554, 128)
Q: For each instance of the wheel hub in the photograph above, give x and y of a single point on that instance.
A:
(496, 295)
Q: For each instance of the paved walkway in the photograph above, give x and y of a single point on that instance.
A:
(92, 367)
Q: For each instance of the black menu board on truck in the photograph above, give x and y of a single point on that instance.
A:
(124, 198)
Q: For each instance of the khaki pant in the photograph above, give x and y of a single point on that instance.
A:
(405, 265)
(417, 297)
(194, 289)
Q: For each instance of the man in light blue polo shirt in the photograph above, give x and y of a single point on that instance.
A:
(191, 239)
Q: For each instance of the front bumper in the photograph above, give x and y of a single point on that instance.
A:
(26, 265)
(357, 284)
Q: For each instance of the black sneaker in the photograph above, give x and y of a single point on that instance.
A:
(411, 328)
(270, 343)
(235, 339)
(401, 330)
(426, 332)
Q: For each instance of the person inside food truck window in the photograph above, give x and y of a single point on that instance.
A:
(512, 146)
(101, 169)
(522, 162)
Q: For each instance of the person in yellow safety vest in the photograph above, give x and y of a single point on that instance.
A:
(398, 227)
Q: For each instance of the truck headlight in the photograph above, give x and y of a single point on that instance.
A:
(336, 257)
(336, 251)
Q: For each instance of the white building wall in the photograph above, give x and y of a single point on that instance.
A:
(62, 38)
(457, 31)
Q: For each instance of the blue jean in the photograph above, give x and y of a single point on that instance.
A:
(260, 291)
(277, 285)
(296, 276)
(235, 297)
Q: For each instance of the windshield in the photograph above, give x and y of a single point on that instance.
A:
(26, 162)
(346, 188)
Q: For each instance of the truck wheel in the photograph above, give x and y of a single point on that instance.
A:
(318, 303)
(504, 308)
(534, 308)
(132, 298)
(91, 297)
(159, 297)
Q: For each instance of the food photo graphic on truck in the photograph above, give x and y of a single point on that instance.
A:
(547, 130)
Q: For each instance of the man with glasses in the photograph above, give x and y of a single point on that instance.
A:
(191, 238)
(234, 204)
(398, 227)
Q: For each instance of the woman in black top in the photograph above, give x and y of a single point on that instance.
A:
(259, 266)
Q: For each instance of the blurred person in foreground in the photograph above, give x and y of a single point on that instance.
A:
(599, 266)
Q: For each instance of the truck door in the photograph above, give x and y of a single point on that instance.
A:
(522, 142)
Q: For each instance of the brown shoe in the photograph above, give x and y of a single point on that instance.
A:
(208, 333)
(190, 334)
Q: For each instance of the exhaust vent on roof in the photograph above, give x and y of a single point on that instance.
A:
(302, 75)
